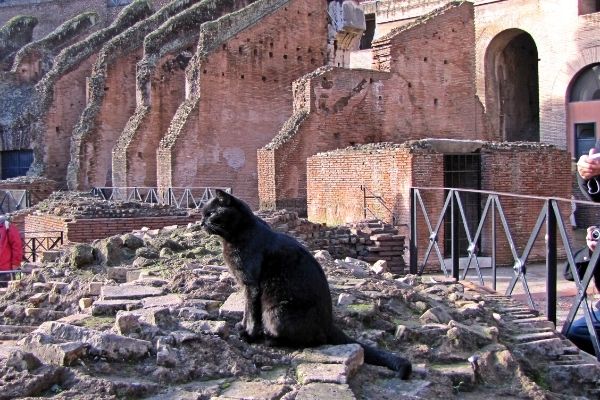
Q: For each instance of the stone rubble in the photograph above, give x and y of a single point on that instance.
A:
(169, 331)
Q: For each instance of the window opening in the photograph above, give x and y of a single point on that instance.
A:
(585, 138)
(16, 163)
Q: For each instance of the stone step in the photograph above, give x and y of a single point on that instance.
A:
(532, 337)
(130, 292)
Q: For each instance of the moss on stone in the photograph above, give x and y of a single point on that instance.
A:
(52, 43)
(32, 121)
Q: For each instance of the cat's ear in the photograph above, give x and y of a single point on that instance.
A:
(223, 197)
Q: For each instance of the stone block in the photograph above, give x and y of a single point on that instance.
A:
(94, 288)
(63, 354)
(253, 390)
(34, 312)
(191, 313)
(118, 274)
(321, 391)
(219, 328)
(132, 274)
(169, 300)
(380, 267)
(85, 302)
(552, 348)
(233, 306)
(129, 292)
(105, 344)
(49, 256)
(38, 298)
(110, 307)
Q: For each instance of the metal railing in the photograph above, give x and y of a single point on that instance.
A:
(369, 195)
(548, 214)
(180, 197)
(13, 200)
(35, 243)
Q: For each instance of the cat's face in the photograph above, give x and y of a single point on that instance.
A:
(224, 215)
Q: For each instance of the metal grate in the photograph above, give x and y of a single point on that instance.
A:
(462, 171)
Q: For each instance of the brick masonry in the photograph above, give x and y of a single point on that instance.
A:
(335, 180)
(251, 72)
(427, 91)
(85, 230)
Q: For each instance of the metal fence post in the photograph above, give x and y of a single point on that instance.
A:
(551, 260)
(454, 220)
(493, 240)
(33, 250)
(414, 248)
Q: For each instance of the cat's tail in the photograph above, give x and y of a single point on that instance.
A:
(373, 355)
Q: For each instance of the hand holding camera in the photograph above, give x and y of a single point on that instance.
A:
(588, 165)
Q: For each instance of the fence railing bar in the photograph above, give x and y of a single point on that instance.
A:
(519, 268)
(433, 234)
(471, 250)
(472, 244)
(509, 238)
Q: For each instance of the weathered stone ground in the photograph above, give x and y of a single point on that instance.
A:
(153, 315)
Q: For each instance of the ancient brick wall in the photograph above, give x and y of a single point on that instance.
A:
(369, 241)
(52, 13)
(428, 92)
(161, 89)
(334, 181)
(112, 100)
(68, 101)
(251, 72)
(115, 109)
(137, 167)
(47, 122)
(513, 170)
(564, 33)
(86, 230)
(386, 171)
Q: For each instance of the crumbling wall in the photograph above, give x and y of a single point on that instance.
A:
(31, 62)
(60, 97)
(333, 108)
(425, 89)
(386, 170)
(160, 86)
(35, 59)
(52, 13)
(16, 33)
(111, 101)
(246, 60)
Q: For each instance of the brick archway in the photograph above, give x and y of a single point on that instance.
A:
(554, 121)
(512, 86)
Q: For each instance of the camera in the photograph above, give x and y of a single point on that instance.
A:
(596, 234)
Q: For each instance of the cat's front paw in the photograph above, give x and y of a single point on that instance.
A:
(249, 335)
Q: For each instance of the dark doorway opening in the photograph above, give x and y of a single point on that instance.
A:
(462, 171)
(16, 163)
(366, 41)
(512, 86)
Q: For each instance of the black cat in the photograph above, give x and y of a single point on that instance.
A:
(287, 295)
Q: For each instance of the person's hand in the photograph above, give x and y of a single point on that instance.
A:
(591, 243)
(588, 168)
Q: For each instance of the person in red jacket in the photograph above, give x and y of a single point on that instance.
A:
(11, 249)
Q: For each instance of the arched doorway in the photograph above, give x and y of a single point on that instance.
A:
(583, 110)
(512, 86)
